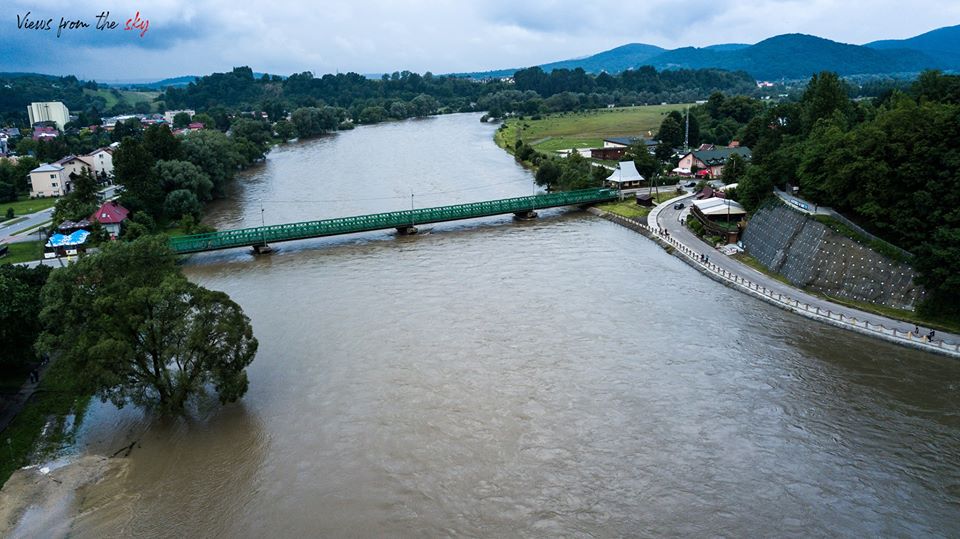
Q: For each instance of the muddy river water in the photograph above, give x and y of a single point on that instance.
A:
(492, 378)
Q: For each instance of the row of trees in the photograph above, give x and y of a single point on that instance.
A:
(405, 95)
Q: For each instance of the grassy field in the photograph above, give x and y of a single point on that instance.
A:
(627, 208)
(585, 129)
(129, 96)
(25, 205)
(23, 252)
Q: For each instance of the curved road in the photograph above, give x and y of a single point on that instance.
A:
(664, 216)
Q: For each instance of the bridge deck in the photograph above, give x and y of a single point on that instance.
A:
(244, 237)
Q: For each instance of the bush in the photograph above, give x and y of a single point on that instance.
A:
(10, 213)
(696, 226)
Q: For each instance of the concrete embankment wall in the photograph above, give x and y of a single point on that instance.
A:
(811, 255)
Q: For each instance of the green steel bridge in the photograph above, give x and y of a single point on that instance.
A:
(405, 221)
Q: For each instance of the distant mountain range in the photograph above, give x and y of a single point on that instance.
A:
(790, 56)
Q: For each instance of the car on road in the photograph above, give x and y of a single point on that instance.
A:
(690, 184)
(678, 206)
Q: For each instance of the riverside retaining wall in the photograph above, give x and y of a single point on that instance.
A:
(811, 255)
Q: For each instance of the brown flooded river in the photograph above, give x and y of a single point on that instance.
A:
(490, 378)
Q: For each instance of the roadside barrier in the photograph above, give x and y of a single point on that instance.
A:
(702, 260)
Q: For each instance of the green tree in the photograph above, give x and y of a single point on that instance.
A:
(181, 203)
(181, 119)
(19, 312)
(548, 175)
(133, 169)
(136, 331)
(734, 168)
(285, 130)
(174, 175)
(80, 202)
(161, 143)
(424, 105)
(215, 154)
(647, 165)
(671, 132)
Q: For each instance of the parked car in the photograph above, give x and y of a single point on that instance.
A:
(678, 206)
(690, 184)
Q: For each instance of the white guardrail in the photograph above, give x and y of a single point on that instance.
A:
(811, 311)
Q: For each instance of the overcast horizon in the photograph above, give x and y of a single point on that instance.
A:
(205, 36)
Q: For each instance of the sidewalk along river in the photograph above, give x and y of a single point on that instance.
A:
(557, 377)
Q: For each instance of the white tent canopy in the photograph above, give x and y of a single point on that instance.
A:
(626, 172)
(719, 206)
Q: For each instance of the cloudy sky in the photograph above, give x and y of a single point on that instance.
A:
(196, 37)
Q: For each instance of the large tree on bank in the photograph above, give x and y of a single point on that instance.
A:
(137, 331)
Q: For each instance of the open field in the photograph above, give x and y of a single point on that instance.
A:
(129, 96)
(585, 129)
(25, 205)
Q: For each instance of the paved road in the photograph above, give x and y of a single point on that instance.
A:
(32, 220)
(664, 216)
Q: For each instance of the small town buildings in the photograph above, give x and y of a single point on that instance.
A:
(73, 164)
(711, 160)
(626, 176)
(111, 215)
(169, 115)
(49, 180)
(51, 111)
(102, 161)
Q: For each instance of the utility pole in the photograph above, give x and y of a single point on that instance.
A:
(263, 224)
(411, 210)
(686, 136)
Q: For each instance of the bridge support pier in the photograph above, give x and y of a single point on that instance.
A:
(525, 215)
(262, 249)
(406, 230)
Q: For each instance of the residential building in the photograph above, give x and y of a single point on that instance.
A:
(49, 180)
(711, 161)
(73, 164)
(111, 215)
(102, 161)
(51, 111)
(168, 115)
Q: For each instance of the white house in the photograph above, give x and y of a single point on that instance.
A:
(102, 161)
(73, 164)
(48, 180)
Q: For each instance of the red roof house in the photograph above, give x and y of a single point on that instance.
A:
(110, 215)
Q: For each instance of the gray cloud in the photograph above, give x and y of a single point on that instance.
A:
(201, 36)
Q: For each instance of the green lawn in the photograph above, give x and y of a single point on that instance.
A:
(585, 129)
(23, 252)
(129, 96)
(25, 205)
(627, 208)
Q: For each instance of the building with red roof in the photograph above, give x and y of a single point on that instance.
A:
(110, 215)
